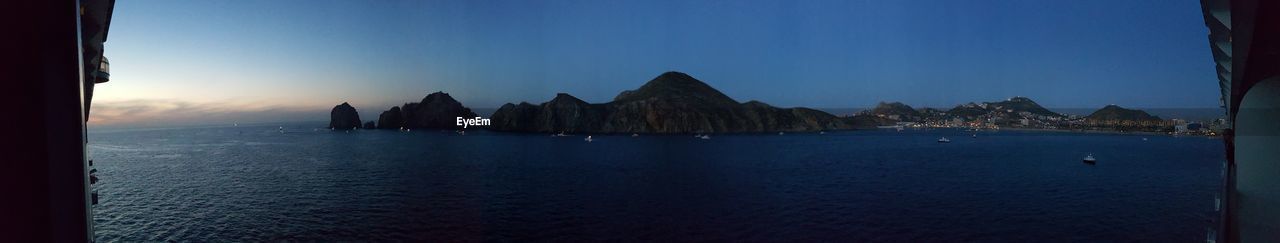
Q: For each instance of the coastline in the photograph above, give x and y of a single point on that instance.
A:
(1103, 132)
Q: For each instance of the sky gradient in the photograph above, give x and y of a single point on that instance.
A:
(254, 61)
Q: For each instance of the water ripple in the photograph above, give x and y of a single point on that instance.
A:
(253, 184)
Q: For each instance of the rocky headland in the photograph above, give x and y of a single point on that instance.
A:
(436, 111)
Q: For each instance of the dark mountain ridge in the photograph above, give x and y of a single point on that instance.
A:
(1117, 113)
(896, 111)
(437, 111)
(1022, 104)
(673, 102)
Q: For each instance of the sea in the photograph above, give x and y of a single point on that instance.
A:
(300, 182)
(1187, 114)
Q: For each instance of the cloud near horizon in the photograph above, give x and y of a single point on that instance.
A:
(169, 112)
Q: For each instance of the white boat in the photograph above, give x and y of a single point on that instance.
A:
(461, 132)
(635, 134)
(899, 128)
(781, 133)
(588, 139)
(561, 134)
(821, 132)
(1088, 159)
(975, 135)
(705, 137)
(944, 140)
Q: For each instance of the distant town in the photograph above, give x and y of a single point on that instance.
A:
(1023, 113)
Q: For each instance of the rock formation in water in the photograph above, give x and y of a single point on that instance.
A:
(344, 117)
(670, 103)
(436, 111)
(1117, 113)
(391, 119)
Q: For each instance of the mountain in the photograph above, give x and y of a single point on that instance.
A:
(672, 102)
(931, 113)
(517, 117)
(563, 113)
(1117, 113)
(1013, 105)
(344, 117)
(676, 87)
(895, 111)
(391, 119)
(436, 111)
(968, 110)
(1022, 104)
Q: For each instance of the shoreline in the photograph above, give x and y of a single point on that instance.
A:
(1102, 132)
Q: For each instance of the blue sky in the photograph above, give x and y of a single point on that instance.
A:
(247, 60)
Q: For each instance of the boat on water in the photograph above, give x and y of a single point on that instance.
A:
(975, 135)
(561, 134)
(635, 135)
(944, 140)
(781, 133)
(588, 139)
(461, 132)
(1088, 159)
(704, 136)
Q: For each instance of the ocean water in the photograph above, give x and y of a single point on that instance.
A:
(254, 183)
